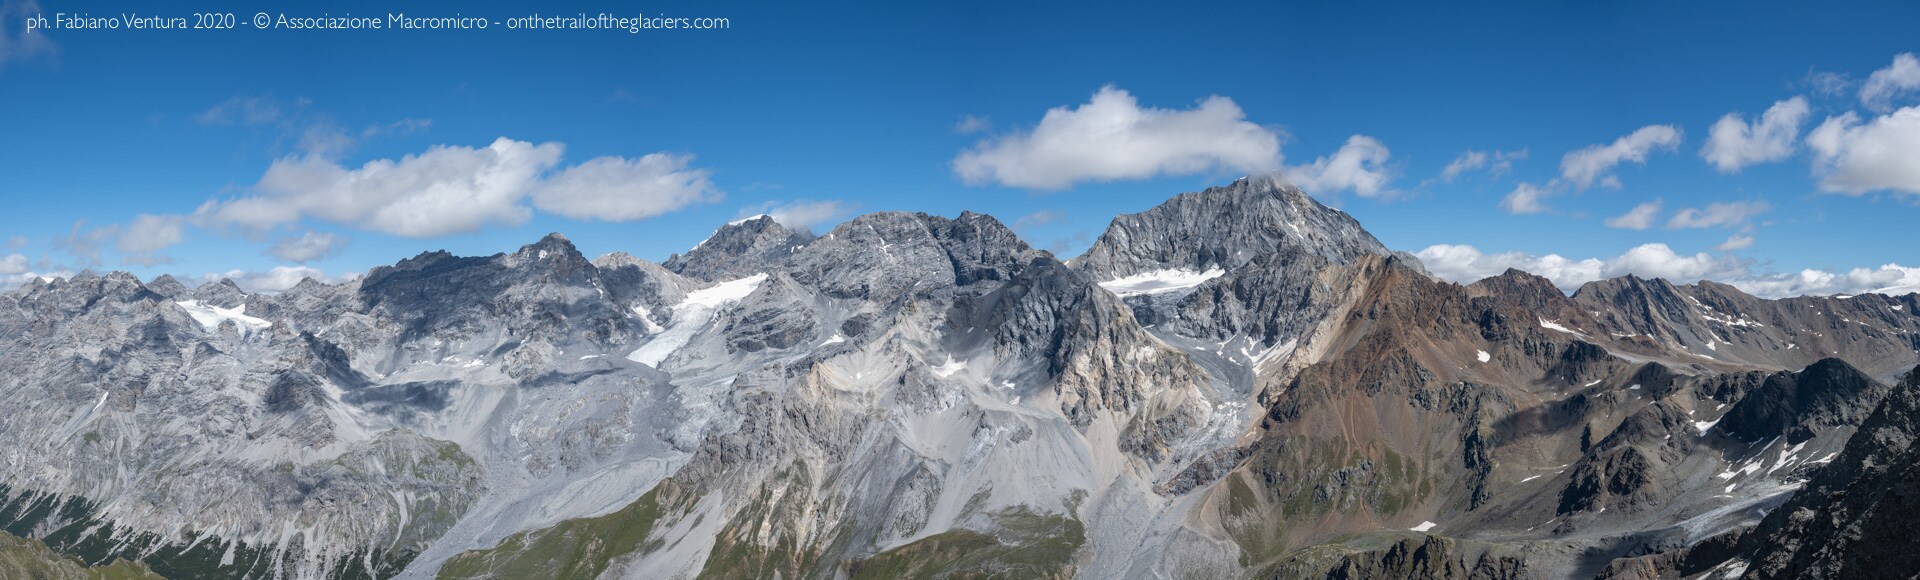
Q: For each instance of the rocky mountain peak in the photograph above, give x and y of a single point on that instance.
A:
(740, 248)
(166, 285)
(223, 293)
(554, 254)
(1226, 227)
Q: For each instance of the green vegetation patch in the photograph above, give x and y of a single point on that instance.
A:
(580, 548)
(1028, 545)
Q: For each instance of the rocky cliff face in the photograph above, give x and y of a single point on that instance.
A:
(1240, 382)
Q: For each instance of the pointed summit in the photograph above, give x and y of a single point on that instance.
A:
(740, 248)
(166, 285)
(549, 246)
(1226, 227)
(224, 293)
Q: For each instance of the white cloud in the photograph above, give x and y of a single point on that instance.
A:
(619, 189)
(1826, 83)
(1903, 76)
(453, 189)
(17, 242)
(1468, 161)
(15, 280)
(1112, 137)
(150, 233)
(1525, 199)
(1466, 264)
(1594, 164)
(801, 214)
(307, 247)
(1855, 157)
(13, 264)
(1733, 143)
(403, 127)
(279, 279)
(16, 44)
(84, 244)
(141, 240)
(1503, 161)
(1659, 261)
(1497, 163)
(1735, 242)
(1719, 215)
(1359, 166)
(1888, 278)
(1639, 218)
(446, 190)
(969, 124)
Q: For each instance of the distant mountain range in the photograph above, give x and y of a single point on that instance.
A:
(1241, 382)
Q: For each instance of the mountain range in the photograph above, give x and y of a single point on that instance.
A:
(1240, 382)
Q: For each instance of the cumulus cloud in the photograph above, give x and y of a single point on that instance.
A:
(16, 44)
(1735, 242)
(1594, 164)
(307, 247)
(1639, 218)
(1112, 137)
(1853, 156)
(13, 264)
(801, 214)
(619, 189)
(1497, 163)
(1526, 198)
(1359, 166)
(1733, 143)
(451, 189)
(1719, 215)
(446, 190)
(1465, 264)
(1903, 76)
(279, 279)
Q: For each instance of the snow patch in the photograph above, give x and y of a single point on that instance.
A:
(1424, 526)
(211, 316)
(691, 316)
(1483, 356)
(1551, 325)
(836, 339)
(1159, 281)
(950, 367)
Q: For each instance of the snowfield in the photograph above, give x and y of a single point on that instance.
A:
(1160, 281)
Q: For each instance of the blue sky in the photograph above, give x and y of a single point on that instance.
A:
(237, 144)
